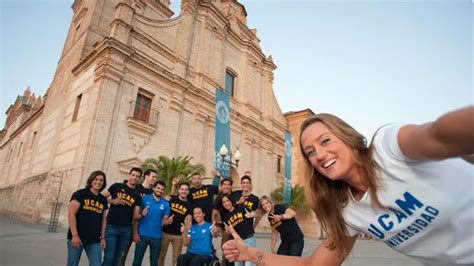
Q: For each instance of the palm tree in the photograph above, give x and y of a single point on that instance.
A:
(298, 200)
(167, 168)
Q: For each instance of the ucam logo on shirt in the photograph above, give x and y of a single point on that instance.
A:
(202, 193)
(410, 207)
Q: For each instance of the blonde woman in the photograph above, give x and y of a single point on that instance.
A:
(283, 222)
(406, 189)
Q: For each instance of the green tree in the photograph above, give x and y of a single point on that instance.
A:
(298, 200)
(168, 168)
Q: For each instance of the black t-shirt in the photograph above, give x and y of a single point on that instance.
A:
(203, 197)
(89, 216)
(123, 214)
(242, 225)
(142, 190)
(251, 202)
(180, 209)
(218, 206)
(289, 229)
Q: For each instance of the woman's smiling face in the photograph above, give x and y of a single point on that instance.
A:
(327, 153)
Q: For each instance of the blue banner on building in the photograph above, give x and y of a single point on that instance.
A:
(222, 131)
(287, 181)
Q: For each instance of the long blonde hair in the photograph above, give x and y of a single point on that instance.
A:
(327, 198)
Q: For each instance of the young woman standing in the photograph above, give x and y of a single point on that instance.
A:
(86, 218)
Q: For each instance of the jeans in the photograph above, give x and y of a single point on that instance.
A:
(293, 248)
(251, 242)
(123, 257)
(193, 259)
(93, 252)
(116, 239)
(176, 243)
(140, 249)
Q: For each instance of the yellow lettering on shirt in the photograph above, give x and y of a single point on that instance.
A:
(129, 200)
(92, 205)
(274, 223)
(198, 194)
(178, 208)
(236, 219)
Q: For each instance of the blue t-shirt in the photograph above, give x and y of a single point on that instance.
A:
(201, 239)
(150, 225)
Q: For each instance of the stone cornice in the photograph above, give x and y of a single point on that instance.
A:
(30, 119)
(109, 68)
(219, 14)
(24, 181)
(102, 49)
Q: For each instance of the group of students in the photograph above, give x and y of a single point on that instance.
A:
(110, 220)
(405, 188)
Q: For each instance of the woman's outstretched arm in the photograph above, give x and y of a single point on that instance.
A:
(451, 135)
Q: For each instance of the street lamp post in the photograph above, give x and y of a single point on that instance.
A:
(223, 151)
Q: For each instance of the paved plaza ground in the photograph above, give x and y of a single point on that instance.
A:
(30, 244)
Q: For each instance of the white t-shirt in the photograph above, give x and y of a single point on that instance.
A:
(429, 212)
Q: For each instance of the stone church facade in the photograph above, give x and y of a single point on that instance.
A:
(134, 83)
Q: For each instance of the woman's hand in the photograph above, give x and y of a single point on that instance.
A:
(275, 217)
(235, 249)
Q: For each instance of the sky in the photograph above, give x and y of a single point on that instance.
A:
(369, 62)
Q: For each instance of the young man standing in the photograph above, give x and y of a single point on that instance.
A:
(154, 214)
(203, 196)
(125, 204)
(146, 188)
(181, 210)
(246, 197)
